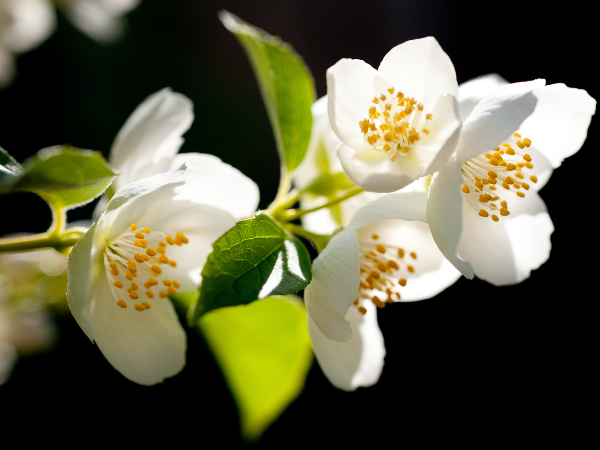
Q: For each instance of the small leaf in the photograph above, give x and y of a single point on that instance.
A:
(264, 352)
(286, 85)
(254, 259)
(65, 177)
(9, 170)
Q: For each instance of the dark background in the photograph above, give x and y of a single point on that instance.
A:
(476, 362)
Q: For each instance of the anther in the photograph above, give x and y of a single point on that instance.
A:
(112, 265)
(146, 230)
(483, 213)
(134, 287)
(533, 178)
(393, 265)
(152, 282)
(375, 274)
(139, 258)
(400, 253)
(133, 295)
(177, 241)
(149, 294)
(411, 269)
(382, 267)
(122, 304)
(139, 235)
(133, 227)
(162, 294)
(374, 237)
(115, 272)
(176, 284)
(402, 282)
(150, 252)
(157, 270)
(169, 240)
(182, 238)
(520, 194)
(466, 189)
(146, 305)
(172, 263)
(171, 290)
(413, 255)
(139, 307)
(129, 276)
(504, 212)
(380, 248)
(118, 284)
(163, 259)
(362, 310)
(167, 282)
(495, 218)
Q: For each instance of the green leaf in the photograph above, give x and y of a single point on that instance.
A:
(254, 259)
(9, 169)
(286, 85)
(65, 177)
(264, 352)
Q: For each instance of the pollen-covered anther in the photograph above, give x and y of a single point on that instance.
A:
(150, 252)
(122, 304)
(133, 295)
(118, 284)
(157, 270)
(139, 307)
(162, 294)
(163, 259)
(146, 305)
(139, 235)
(167, 282)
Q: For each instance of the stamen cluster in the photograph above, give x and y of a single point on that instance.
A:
(394, 124)
(381, 273)
(483, 174)
(132, 253)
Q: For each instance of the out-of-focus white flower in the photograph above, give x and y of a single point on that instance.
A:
(28, 282)
(377, 259)
(152, 240)
(24, 24)
(102, 20)
(399, 122)
(484, 210)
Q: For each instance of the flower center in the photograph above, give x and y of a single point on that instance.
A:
(504, 167)
(394, 124)
(129, 257)
(381, 273)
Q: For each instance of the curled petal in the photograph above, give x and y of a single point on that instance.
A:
(471, 92)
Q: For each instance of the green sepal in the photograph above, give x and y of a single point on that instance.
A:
(286, 85)
(64, 176)
(253, 260)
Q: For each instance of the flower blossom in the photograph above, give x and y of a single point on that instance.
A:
(377, 259)
(484, 209)
(28, 282)
(399, 122)
(24, 24)
(151, 241)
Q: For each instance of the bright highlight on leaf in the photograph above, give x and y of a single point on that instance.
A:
(286, 86)
(64, 176)
(9, 169)
(253, 260)
(264, 352)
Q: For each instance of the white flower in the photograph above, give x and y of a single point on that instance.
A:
(377, 259)
(152, 240)
(397, 123)
(484, 210)
(149, 140)
(28, 281)
(100, 19)
(24, 24)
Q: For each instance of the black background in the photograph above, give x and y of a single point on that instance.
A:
(476, 364)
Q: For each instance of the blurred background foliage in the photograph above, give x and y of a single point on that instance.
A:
(476, 359)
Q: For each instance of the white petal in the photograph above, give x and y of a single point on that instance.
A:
(151, 136)
(350, 92)
(495, 118)
(520, 243)
(408, 206)
(559, 123)
(213, 182)
(336, 278)
(357, 362)
(433, 273)
(146, 347)
(444, 207)
(376, 172)
(471, 92)
(420, 69)
(435, 149)
(80, 280)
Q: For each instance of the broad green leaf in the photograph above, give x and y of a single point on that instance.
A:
(65, 177)
(9, 169)
(264, 352)
(254, 259)
(286, 85)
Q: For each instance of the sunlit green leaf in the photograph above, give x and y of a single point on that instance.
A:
(286, 85)
(65, 176)
(264, 352)
(254, 259)
(9, 169)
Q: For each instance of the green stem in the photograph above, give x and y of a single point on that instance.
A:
(59, 219)
(60, 242)
(293, 214)
(320, 240)
(285, 183)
